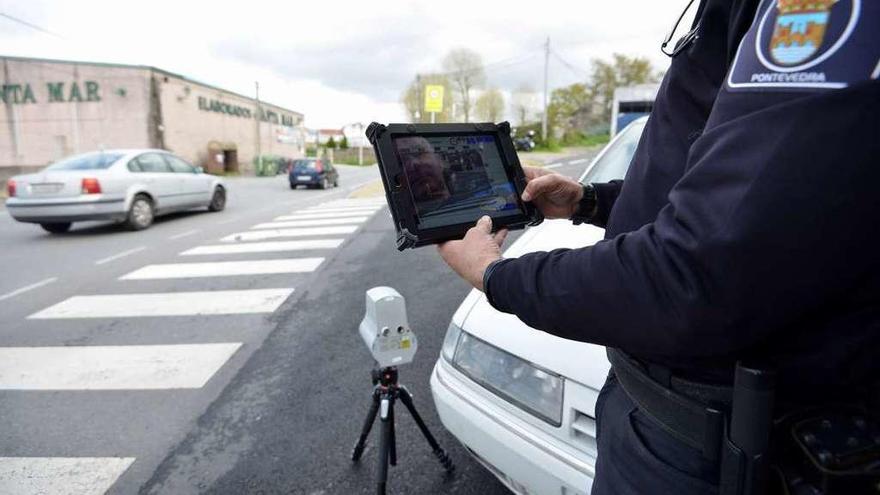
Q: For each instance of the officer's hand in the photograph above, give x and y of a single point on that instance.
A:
(471, 256)
(556, 195)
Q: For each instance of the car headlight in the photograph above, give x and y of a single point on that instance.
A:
(450, 342)
(516, 380)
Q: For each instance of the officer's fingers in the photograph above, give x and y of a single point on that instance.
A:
(539, 186)
(447, 249)
(500, 236)
(442, 248)
(534, 172)
(484, 225)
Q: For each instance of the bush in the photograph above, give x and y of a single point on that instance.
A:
(269, 165)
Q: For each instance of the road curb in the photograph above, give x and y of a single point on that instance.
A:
(371, 189)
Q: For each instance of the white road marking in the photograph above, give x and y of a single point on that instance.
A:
(265, 247)
(184, 234)
(554, 165)
(259, 235)
(62, 475)
(352, 209)
(115, 367)
(120, 255)
(315, 216)
(310, 223)
(579, 161)
(26, 288)
(311, 198)
(377, 201)
(218, 302)
(224, 268)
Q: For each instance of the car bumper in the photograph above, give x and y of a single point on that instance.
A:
(520, 455)
(312, 181)
(70, 210)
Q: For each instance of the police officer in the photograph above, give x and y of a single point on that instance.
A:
(747, 227)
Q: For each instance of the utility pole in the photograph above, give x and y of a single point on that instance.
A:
(360, 143)
(546, 89)
(421, 98)
(257, 118)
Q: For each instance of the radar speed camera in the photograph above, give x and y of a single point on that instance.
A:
(385, 329)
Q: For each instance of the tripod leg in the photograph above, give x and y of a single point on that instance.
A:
(384, 440)
(444, 459)
(392, 440)
(368, 425)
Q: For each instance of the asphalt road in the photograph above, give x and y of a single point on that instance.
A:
(182, 390)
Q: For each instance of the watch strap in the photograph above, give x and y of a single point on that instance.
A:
(586, 208)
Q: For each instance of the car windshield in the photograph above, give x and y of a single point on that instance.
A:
(616, 159)
(89, 161)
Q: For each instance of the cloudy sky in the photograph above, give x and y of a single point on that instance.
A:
(343, 61)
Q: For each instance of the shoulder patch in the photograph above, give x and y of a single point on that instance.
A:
(808, 44)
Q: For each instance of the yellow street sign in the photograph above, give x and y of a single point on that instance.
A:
(434, 98)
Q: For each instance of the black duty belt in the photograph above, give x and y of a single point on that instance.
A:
(692, 412)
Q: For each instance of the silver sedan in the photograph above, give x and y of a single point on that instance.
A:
(128, 186)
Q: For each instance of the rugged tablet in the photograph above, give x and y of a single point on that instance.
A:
(441, 178)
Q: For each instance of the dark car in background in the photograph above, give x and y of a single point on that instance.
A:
(313, 172)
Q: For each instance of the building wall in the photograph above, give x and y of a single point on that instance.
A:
(53, 109)
(197, 118)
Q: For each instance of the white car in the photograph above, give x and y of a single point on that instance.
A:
(522, 401)
(130, 186)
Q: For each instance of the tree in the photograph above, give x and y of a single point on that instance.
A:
(464, 68)
(413, 98)
(343, 143)
(523, 104)
(570, 109)
(605, 77)
(331, 143)
(490, 105)
(581, 107)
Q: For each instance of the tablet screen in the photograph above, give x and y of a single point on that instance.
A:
(456, 179)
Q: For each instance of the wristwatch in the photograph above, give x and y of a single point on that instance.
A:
(586, 208)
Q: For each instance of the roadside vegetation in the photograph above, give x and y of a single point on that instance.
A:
(578, 115)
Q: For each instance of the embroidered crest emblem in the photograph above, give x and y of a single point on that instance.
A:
(808, 44)
(800, 29)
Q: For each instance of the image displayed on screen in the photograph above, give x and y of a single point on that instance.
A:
(456, 179)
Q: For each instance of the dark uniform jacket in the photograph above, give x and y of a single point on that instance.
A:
(748, 224)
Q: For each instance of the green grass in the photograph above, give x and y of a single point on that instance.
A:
(590, 141)
(552, 146)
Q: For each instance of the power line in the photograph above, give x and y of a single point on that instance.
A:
(32, 26)
(546, 88)
(575, 70)
(498, 64)
(510, 61)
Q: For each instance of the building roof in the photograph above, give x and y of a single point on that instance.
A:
(142, 67)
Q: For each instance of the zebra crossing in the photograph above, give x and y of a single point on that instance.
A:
(296, 242)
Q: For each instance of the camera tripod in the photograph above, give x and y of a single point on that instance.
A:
(386, 391)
